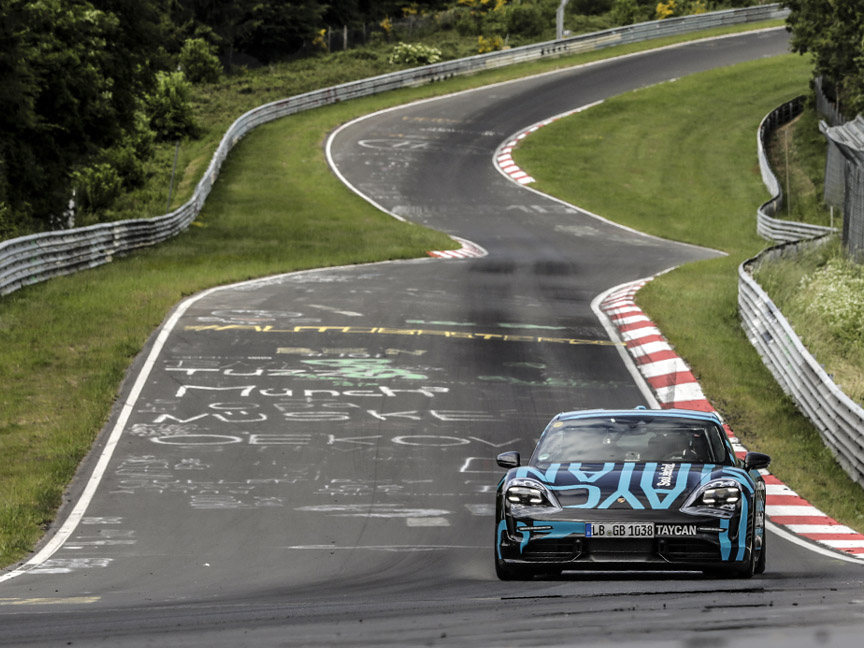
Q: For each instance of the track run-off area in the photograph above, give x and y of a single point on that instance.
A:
(308, 459)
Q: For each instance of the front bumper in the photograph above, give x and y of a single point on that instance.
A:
(680, 541)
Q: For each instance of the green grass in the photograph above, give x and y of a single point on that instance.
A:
(679, 160)
(821, 293)
(66, 344)
(803, 179)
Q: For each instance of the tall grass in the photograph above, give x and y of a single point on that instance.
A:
(821, 292)
(797, 154)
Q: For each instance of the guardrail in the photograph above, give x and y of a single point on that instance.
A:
(768, 227)
(838, 418)
(35, 258)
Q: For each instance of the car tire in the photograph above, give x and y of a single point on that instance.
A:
(761, 561)
(747, 570)
(749, 567)
(507, 572)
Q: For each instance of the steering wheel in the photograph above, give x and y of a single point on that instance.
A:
(682, 455)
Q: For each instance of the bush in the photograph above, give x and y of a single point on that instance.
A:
(491, 44)
(198, 61)
(97, 187)
(414, 54)
(628, 12)
(525, 20)
(6, 225)
(170, 109)
(466, 24)
(835, 293)
(591, 7)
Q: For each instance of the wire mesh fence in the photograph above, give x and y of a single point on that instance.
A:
(844, 179)
(844, 169)
(853, 212)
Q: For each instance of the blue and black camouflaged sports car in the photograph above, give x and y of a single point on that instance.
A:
(631, 489)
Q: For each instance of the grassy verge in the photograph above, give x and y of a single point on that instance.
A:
(821, 293)
(686, 169)
(797, 155)
(66, 344)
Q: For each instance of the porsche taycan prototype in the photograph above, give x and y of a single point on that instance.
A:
(632, 489)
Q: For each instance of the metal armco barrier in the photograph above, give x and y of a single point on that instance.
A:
(35, 258)
(838, 418)
(768, 227)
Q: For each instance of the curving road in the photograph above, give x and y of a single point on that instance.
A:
(308, 459)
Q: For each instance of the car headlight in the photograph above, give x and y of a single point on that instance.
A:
(528, 493)
(720, 498)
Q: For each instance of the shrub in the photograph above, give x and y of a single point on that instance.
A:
(835, 292)
(414, 54)
(97, 187)
(199, 62)
(6, 225)
(170, 109)
(666, 9)
(525, 20)
(627, 12)
(491, 44)
(591, 7)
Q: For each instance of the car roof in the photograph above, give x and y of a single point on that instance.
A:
(639, 412)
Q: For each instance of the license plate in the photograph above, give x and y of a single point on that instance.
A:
(620, 530)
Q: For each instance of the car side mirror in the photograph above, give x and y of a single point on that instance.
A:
(756, 461)
(509, 460)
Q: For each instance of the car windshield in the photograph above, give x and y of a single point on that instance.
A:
(620, 439)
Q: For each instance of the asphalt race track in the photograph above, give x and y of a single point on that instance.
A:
(309, 459)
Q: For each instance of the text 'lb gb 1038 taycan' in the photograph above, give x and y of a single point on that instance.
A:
(631, 489)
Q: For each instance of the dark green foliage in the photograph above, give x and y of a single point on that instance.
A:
(526, 19)
(629, 12)
(76, 75)
(199, 62)
(171, 116)
(97, 187)
(71, 74)
(833, 32)
(591, 7)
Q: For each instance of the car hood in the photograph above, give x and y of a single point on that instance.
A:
(630, 485)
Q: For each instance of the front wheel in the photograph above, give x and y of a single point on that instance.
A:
(761, 562)
(507, 572)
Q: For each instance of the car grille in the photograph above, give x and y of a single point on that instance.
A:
(688, 550)
(553, 549)
(599, 546)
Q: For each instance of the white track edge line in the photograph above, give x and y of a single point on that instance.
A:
(71, 523)
(791, 537)
(67, 528)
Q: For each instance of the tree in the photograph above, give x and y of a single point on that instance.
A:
(170, 111)
(277, 29)
(198, 61)
(833, 32)
(71, 75)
